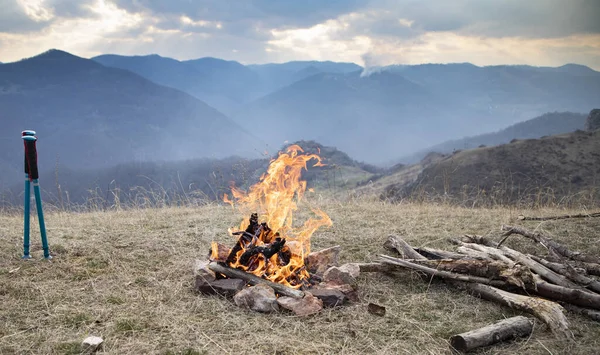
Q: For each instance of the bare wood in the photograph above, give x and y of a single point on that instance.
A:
(492, 253)
(569, 272)
(566, 216)
(506, 329)
(577, 297)
(549, 312)
(472, 253)
(550, 244)
(539, 268)
(590, 268)
(478, 239)
(440, 273)
(590, 313)
(431, 253)
(255, 280)
(397, 244)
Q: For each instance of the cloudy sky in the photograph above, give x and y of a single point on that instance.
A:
(371, 32)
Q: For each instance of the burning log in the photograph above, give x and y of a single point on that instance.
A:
(254, 280)
(506, 329)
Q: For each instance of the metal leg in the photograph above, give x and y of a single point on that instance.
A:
(26, 212)
(40, 212)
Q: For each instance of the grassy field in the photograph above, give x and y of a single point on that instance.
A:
(127, 276)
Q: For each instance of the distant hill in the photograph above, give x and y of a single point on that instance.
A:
(395, 111)
(173, 182)
(88, 115)
(555, 169)
(547, 124)
(225, 85)
(373, 118)
(222, 84)
(278, 75)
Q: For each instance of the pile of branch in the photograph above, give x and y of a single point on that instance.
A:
(543, 286)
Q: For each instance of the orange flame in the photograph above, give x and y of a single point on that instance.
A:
(275, 198)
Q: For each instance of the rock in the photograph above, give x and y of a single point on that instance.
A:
(345, 274)
(330, 297)
(318, 262)
(201, 269)
(301, 307)
(260, 298)
(91, 344)
(223, 287)
(346, 289)
(592, 122)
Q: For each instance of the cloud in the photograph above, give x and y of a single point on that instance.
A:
(545, 32)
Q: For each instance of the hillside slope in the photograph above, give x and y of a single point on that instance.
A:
(400, 110)
(526, 171)
(548, 124)
(88, 115)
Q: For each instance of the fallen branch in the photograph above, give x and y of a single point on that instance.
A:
(549, 312)
(566, 216)
(440, 273)
(577, 297)
(590, 268)
(254, 280)
(569, 272)
(590, 313)
(431, 253)
(550, 244)
(506, 329)
(397, 244)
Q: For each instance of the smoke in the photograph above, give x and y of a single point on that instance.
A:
(372, 63)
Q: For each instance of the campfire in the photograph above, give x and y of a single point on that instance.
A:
(272, 253)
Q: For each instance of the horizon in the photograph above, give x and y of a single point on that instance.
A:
(374, 33)
(291, 61)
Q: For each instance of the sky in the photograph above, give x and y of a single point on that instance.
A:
(366, 32)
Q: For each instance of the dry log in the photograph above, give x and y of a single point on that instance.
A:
(472, 253)
(254, 280)
(397, 244)
(506, 329)
(524, 260)
(431, 253)
(590, 313)
(492, 253)
(570, 272)
(549, 312)
(590, 268)
(577, 297)
(566, 216)
(550, 244)
(440, 273)
(538, 268)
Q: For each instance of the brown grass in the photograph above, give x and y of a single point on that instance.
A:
(126, 276)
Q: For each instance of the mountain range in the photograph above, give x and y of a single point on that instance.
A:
(88, 115)
(377, 114)
(113, 109)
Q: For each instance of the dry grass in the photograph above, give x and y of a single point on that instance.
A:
(126, 276)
